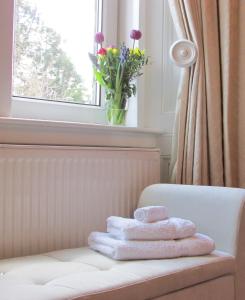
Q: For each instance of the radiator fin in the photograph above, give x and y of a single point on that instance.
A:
(53, 197)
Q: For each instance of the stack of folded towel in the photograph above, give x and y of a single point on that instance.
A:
(150, 235)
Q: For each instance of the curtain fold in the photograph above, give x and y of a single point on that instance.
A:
(204, 148)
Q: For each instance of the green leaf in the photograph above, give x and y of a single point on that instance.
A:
(99, 78)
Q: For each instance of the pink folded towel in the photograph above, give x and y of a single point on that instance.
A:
(150, 214)
(131, 229)
(199, 244)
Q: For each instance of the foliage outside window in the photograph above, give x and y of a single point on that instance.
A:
(50, 53)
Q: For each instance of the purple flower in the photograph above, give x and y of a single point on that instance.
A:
(124, 54)
(135, 34)
(99, 38)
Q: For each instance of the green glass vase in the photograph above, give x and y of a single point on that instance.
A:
(116, 116)
(116, 108)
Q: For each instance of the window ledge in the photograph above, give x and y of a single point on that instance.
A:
(30, 131)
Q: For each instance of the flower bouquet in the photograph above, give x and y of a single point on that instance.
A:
(115, 70)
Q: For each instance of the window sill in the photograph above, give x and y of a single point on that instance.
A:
(29, 131)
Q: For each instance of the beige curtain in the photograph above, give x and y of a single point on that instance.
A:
(205, 135)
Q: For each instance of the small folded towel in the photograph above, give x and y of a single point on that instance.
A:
(199, 244)
(151, 214)
(131, 229)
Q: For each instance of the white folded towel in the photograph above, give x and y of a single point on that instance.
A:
(151, 214)
(199, 244)
(131, 229)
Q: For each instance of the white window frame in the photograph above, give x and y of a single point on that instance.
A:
(154, 105)
(32, 109)
(157, 97)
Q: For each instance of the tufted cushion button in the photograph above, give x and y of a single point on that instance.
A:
(77, 273)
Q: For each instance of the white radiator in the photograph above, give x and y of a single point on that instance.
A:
(53, 197)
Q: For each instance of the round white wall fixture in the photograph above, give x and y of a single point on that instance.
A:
(183, 53)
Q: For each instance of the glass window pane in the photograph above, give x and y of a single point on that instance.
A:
(52, 41)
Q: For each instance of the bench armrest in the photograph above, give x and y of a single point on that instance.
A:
(216, 211)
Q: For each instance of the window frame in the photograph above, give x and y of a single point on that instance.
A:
(28, 108)
(151, 107)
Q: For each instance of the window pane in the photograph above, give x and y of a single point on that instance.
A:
(52, 41)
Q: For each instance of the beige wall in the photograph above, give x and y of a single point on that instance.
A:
(241, 116)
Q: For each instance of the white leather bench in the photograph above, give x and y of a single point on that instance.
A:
(84, 274)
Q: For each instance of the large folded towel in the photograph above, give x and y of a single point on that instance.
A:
(199, 244)
(151, 214)
(131, 229)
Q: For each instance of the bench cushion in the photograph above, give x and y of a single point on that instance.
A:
(84, 274)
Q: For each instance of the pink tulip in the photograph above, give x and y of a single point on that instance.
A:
(135, 34)
(102, 51)
(99, 38)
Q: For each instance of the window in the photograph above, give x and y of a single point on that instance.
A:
(23, 105)
(156, 92)
(52, 41)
